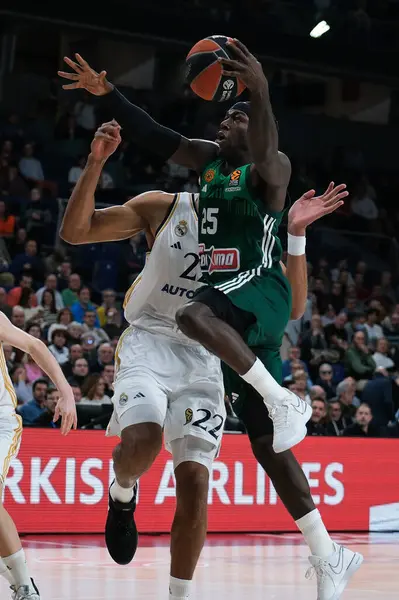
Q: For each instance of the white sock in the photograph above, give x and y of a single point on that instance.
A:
(259, 377)
(179, 589)
(316, 535)
(4, 572)
(16, 564)
(120, 494)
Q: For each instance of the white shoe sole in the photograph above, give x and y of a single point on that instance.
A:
(297, 437)
(353, 566)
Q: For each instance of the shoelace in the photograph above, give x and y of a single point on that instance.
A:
(320, 570)
(279, 415)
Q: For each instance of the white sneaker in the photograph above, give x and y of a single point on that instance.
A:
(333, 573)
(289, 421)
(25, 592)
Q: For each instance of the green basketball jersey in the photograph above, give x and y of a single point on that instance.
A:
(236, 233)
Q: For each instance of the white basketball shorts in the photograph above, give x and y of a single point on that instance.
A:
(10, 440)
(178, 386)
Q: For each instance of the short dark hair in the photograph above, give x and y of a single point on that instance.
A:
(38, 381)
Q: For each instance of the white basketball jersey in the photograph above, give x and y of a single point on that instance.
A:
(171, 274)
(8, 397)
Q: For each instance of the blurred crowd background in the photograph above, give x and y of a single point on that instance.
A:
(337, 107)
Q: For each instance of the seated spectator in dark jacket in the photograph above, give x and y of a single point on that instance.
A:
(314, 344)
(28, 261)
(346, 395)
(336, 334)
(46, 419)
(33, 409)
(337, 422)
(382, 395)
(363, 426)
(325, 380)
(359, 361)
(75, 352)
(316, 424)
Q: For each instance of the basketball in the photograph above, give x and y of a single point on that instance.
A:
(204, 72)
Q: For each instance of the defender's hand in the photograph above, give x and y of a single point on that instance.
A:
(245, 66)
(106, 140)
(85, 77)
(309, 208)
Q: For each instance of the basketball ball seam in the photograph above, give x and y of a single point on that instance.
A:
(207, 67)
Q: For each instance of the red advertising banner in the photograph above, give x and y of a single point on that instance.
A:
(61, 484)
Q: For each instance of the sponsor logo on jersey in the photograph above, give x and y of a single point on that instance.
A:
(209, 175)
(219, 259)
(181, 228)
(188, 413)
(175, 290)
(234, 181)
(176, 245)
(123, 398)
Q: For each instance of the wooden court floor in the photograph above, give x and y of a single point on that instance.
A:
(232, 567)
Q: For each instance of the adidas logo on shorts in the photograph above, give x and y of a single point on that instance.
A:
(139, 395)
(177, 245)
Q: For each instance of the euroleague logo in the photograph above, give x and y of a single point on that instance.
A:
(228, 87)
(228, 84)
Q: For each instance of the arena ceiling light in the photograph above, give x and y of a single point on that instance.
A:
(320, 29)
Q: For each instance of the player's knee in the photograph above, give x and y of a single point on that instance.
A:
(140, 445)
(192, 482)
(188, 317)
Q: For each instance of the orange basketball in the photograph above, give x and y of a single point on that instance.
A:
(204, 72)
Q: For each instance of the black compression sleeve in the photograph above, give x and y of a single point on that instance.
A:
(139, 127)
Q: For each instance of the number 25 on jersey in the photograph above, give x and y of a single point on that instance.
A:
(209, 221)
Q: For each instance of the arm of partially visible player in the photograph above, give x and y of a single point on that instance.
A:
(137, 125)
(305, 211)
(269, 165)
(45, 360)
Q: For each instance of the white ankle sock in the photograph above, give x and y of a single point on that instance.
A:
(4, 572)
(16, 564)
(179, 589)
(119, 493)
(259, 377)
(316, 535)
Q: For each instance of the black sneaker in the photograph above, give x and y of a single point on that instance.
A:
(121, 534)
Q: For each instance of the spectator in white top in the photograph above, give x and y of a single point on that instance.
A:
(93, 390)
(31, 167)
(373, 330)
(76, 171)
(85, 115)
(363, 204)
(381, 357)
(58, 348)
(51, 284)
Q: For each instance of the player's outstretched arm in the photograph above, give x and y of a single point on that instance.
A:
(137, 125)
(45, 360)
(270, 165)
(305, 211)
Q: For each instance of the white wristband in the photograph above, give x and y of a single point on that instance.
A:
(296, 245)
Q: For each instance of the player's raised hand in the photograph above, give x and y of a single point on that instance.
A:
(106, 140)
(244, 66)
(309, 208)
(84, 77)
(66, 409)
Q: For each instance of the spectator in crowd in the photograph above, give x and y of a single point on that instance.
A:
(391, 327)
(70, 295)
(108, 375)
(75, 352)
(14, 295)
(363, 426)
(33, 371)
(337, 421)
(336, 297)
(337, 335)
(64, 273)
(105, 356)
(108, 303)
(28, 261)
(76, 171)
(300, 379)
(22, 387)
(346, 395)
(363, 204)
(51, 284)
(75, 332)
(18, 317)
(28, 303)
(35, 407)
(9, 356)
(113, 327)
(89, 326)
(381, 357)
(77, 393)
(58, 347)
(37, 218)
(325, 380)
(316, 424)
(371, 327)
(80, 371)
(382, 395)
(314, 344)
(82, 305)
(34, 329)
(64, 318)
(315, 392)
(30, 166)
(359, 362)
(294, 356)
(48, 308)
(7, 221)
(46, 418)
(93, 391)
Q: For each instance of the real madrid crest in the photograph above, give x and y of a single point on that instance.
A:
(181, 228)
(123, 398)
